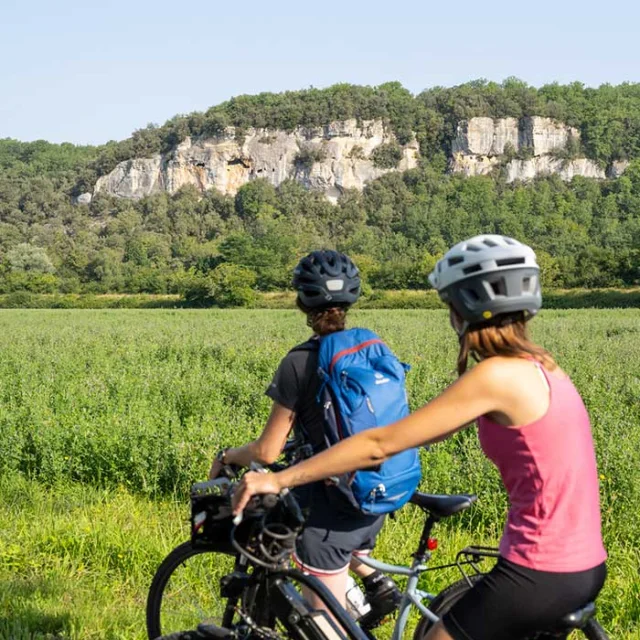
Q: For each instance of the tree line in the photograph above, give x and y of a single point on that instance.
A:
(210, 246)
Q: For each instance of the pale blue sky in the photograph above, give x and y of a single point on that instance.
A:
(88, 74)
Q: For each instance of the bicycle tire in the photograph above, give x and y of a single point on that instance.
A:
(162, 578)
(441, 604)
(449, 596)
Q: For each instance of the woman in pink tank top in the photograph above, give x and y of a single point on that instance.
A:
(532, 424)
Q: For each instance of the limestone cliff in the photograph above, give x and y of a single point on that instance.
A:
(480, 146)
(331, 159)
(340, 156)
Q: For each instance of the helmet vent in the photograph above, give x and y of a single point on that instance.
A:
(474, 268)
(526, 284)
(470, 295)
(455, 260)
(490, 243)
(498, 287)
(473, 247)
(505, 262)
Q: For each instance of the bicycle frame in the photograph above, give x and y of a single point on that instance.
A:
(348, 625)
(411, 596)
(414, 596)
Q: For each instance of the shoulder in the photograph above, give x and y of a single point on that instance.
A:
(310, 345)
(499, 372)
(303, 350)
(301, 355)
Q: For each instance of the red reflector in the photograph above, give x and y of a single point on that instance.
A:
(432, 544)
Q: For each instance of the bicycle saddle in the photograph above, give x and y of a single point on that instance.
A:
(443, 506)
(577, 619)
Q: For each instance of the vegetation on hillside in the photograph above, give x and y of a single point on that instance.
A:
(608, 117)
(587, 233)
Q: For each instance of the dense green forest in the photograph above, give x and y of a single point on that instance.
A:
(587, 233)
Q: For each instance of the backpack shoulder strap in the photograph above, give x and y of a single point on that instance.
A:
(312, 344)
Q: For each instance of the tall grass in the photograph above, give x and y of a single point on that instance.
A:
(108, 416)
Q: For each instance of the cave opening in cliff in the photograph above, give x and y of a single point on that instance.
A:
(237, 161)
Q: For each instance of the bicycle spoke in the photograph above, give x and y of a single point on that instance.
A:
(192, 595)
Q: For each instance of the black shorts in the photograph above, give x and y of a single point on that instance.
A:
(333, 532)
(513, 602)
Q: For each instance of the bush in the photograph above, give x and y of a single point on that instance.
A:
(357, 153)
(254, 197)
(26, 257)
(19, 300)
(387, 156)
(309, 155)
(32, 281)
(26, 300)
(228, 285)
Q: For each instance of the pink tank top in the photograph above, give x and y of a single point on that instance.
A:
(549, 470)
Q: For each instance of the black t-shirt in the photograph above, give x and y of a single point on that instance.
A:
(295, 385)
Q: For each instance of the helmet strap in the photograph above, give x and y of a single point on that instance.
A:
(461, 330)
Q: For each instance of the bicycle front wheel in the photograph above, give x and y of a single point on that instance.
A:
(447, 598)
(185, 591)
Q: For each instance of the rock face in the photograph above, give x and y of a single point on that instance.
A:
(83, 198)
(544, 165)
(339, 156)
(481, 143)
(330, 159)
(485, 136)
(489, 137)
(617, 168)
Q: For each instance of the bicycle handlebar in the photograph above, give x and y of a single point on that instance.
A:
(268, 501)
(279, 521)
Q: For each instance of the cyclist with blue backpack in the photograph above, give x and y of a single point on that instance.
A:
(312, 395)
(532, 424)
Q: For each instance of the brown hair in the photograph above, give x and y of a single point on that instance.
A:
(508, 338)
(325, 321)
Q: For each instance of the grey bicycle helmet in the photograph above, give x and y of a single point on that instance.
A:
(326, 278)
(487, 276)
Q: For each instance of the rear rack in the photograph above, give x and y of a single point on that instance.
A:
(473, 556)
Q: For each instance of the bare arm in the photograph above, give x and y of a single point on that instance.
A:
(459, 405)
(267, 447)
(478, 392)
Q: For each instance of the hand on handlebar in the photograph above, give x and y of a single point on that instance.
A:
(253, 484)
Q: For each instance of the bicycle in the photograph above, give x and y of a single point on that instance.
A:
(437, 507)
(257, 590)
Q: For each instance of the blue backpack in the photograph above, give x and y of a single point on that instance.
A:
(362, 388)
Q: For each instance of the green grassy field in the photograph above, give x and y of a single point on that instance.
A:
(107, 417)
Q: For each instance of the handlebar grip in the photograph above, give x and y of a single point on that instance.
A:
(267, 501)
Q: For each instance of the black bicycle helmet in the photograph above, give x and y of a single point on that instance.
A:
(325, 279)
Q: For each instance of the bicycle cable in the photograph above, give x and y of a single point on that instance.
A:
(285, 539)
